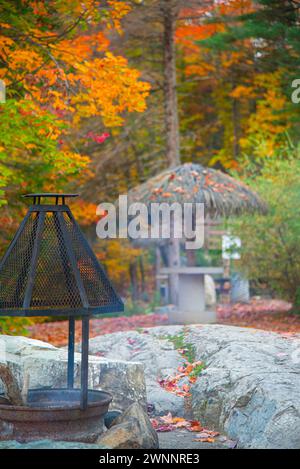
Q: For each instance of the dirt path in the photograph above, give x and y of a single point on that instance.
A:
(182, 439)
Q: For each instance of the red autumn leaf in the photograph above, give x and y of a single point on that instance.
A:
(180, 190)
(207, 434)
(204, 440)
(167, 418)
(165, 428)
(195, 426)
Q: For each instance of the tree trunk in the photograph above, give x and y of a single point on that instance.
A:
(157, 268)
(170, 12)
(143, 279)
(191, 257)
(134, 281)
(174, 262)
(236, 130)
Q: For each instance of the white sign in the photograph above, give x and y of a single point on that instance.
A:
(230, 247)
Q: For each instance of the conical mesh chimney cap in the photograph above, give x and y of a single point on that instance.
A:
(50, 269)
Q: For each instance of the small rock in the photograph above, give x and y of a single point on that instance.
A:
(150, 409)
(131, 430)
(126, 435)
(136, 411)
(110, 418)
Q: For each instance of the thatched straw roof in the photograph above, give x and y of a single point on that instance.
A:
(222, 195)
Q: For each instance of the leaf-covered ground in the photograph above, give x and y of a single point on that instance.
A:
(272, 315)
(57, 332)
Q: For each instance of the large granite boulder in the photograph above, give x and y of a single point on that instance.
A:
(158, 355)
(250, 387)
(47, 367)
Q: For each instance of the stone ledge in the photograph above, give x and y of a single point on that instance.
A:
(47, 367)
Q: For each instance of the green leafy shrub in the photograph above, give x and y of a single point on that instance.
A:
(271, 243)
(14, 326)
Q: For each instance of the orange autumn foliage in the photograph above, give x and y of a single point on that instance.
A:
(56, 63)
(247, 108)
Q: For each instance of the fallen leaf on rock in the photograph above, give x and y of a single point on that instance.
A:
(165, 428)
(168, 423)
(178, 420)
(192, 379)
(131, 341)
(173, 383)
(180, 190)
(207, 434)
(205, 440)
(181, 424)
(195, 426)
(167, 418)
(154, 422)
(181, 369)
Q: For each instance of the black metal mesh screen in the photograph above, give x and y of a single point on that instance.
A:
(14, 274)
(55, 284)
(97, 286)
(63, 273)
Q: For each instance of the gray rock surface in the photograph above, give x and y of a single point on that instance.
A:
(47, 367)
(48, 444)
(250, 387)
(155, 352)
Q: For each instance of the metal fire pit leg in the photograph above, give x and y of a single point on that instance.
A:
(71, 349)
(84, 363)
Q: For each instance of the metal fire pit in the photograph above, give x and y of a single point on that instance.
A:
(54, 414)
(49, 269)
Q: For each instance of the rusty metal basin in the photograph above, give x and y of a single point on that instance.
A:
(54, 414)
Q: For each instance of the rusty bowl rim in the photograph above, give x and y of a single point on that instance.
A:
(27, 408)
